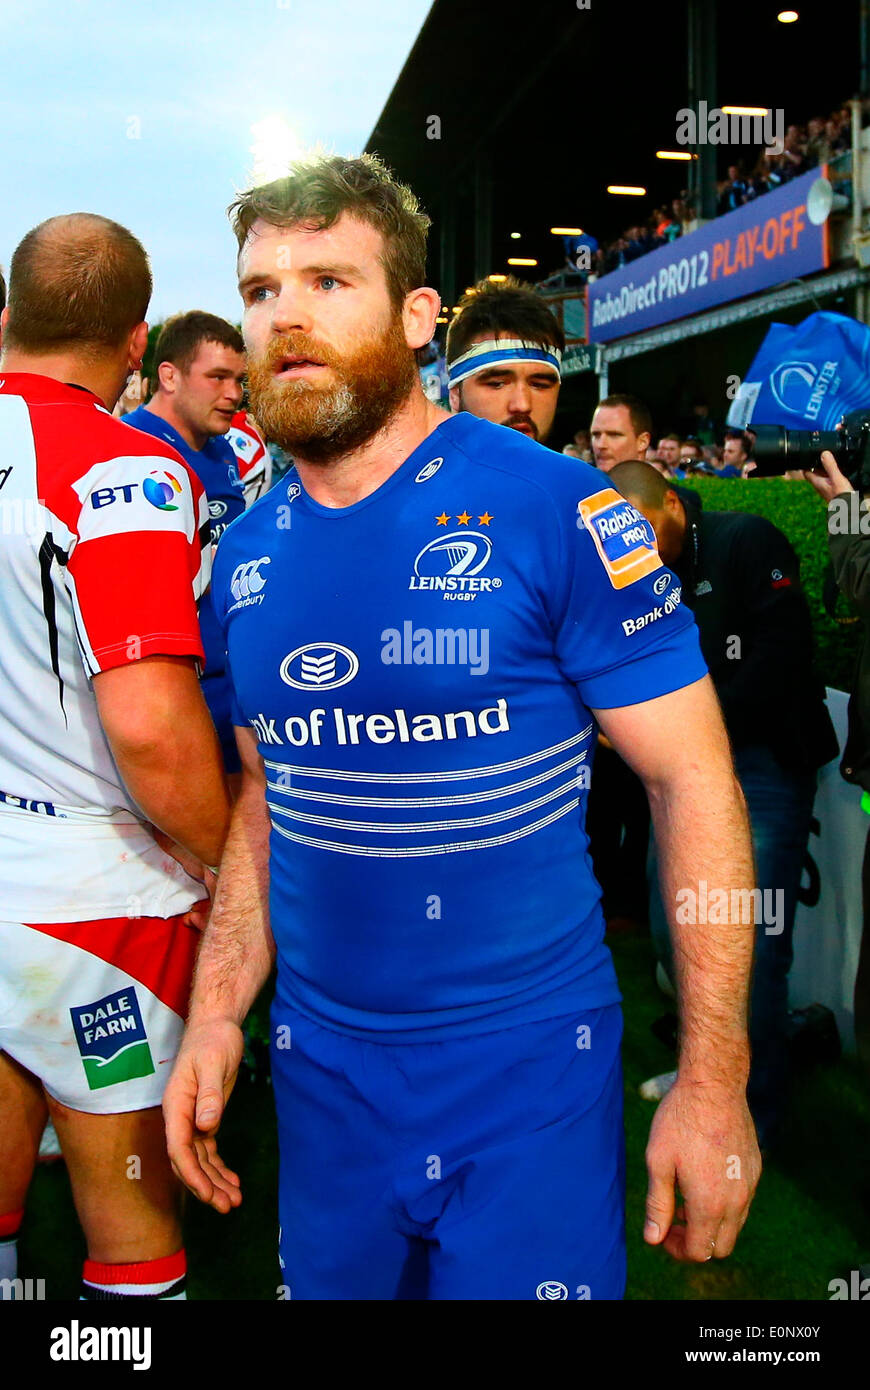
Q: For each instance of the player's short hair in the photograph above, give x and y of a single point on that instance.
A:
(76, 282)
(181, 336)
(638, 412)
(320, 189)
(499, 307)
(640, 482)
(746, 442)
(2, 292)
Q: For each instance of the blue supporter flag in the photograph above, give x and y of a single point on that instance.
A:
(806, 376)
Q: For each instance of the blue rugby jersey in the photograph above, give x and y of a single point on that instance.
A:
(420, 669)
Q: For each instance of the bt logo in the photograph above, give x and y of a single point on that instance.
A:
(158, 489)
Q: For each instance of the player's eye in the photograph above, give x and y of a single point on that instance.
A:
(327, 282)
(258, 294)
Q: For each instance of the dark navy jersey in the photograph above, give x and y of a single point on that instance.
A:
(216, 467)
(420, 669)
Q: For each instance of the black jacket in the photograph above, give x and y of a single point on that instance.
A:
(741, 578)
(850, 556)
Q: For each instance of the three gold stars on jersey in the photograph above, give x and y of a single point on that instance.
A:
(463, 518)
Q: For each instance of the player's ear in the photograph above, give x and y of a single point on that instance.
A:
(419, 312)
(644, 440)
(138, 344)
(166, 376)
(455, 394)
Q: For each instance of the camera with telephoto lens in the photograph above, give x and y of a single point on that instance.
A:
(778, 449)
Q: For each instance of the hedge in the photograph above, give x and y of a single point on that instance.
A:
(799, 512)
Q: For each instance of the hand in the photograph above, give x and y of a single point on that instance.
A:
(199, 914)
(202, 1079)
(703, 1139)
(834, 483)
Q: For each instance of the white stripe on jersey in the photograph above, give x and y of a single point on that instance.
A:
(125, 507)
(394, 778)
(417, 851)
(455, 799)
(420, 827)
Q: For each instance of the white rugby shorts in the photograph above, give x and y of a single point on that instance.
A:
(96, 1010)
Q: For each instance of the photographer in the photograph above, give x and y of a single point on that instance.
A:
(849, 546)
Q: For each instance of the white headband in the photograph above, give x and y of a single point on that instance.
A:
(496, 351)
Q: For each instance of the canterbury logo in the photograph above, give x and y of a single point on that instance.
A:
(247, 579)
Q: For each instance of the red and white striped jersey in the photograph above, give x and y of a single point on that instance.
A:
(101, 564)
(253, 458)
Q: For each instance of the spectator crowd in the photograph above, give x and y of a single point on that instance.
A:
(805, 147)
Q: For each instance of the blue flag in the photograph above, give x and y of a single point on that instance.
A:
(807, 376)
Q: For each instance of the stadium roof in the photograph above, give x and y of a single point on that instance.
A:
(536, 116)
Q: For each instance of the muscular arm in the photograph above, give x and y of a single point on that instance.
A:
(166, 749)
(237, 949)
(234, 962)
(678, 746)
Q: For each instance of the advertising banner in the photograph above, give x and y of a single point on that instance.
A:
(761, 244)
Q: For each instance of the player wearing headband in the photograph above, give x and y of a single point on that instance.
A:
(504, 357)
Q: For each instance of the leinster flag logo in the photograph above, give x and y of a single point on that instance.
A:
(112, 1039)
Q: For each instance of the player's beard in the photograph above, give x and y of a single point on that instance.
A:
(322, 423)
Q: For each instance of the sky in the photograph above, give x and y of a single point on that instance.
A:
(143, 112)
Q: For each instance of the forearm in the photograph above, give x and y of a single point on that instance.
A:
(702, 836)
(176, 777)
(237, 950)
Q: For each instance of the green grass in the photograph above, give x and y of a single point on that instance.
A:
(810, 1222)
(799, 513)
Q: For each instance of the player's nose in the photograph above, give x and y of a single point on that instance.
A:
(289, 313)
(520, 400)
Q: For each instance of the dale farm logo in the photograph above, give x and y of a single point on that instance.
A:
(112, 1039)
